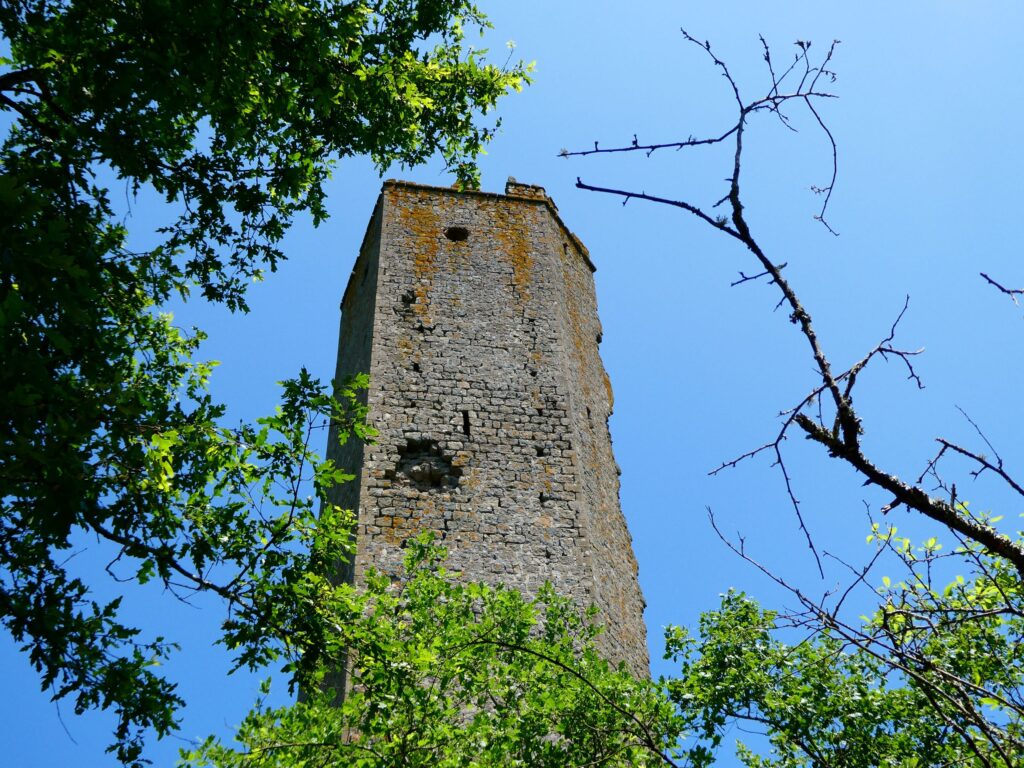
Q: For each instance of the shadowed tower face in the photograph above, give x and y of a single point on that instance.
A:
(475, 316)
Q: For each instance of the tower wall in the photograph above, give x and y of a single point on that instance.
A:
(476, 318)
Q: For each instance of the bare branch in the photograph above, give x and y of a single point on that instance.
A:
(717, 223)
(843, 440)
(981, 434)
(915, 498)
(795, 504)
(1013, 293)
(648, 149)
(748, 455)
(860, 578)
(984, 463)
(885, 348)
(835, 167)
(744, 278)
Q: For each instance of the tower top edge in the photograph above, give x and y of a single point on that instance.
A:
(515, 191)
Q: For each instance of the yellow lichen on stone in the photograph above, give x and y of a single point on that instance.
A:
(608, 389)
(416, 212)
(512, 236)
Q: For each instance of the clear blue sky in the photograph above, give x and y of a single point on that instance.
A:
(928, 194)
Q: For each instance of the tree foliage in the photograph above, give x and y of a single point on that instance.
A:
(450, 673)
(234, 114)
(932, 678)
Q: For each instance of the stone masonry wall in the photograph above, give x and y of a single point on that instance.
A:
(475, 316)
(355, 342)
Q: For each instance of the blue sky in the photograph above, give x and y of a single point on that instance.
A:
(929, 186)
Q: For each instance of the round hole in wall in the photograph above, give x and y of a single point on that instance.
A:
(456, 234)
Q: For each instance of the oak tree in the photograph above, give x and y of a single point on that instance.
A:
(234, 114)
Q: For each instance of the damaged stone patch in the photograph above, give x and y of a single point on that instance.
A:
(423, 465)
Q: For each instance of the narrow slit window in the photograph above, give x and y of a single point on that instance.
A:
(465, 423)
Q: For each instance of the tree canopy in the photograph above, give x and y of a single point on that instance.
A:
(234, 114)
(453, 673)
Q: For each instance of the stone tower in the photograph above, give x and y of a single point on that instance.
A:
(476, 318)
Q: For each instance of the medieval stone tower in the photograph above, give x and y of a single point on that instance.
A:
(475, 316)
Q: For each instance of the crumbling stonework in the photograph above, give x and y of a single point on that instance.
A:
(475, 316)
